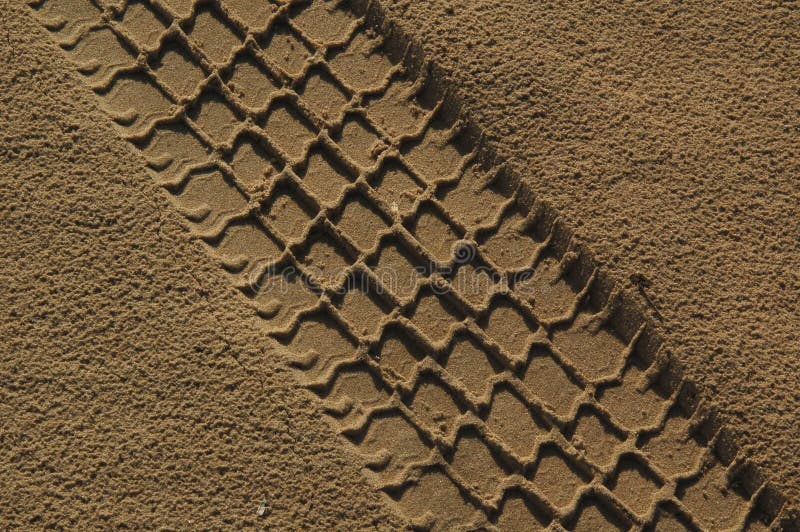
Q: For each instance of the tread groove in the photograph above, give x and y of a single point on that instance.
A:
(419, 286)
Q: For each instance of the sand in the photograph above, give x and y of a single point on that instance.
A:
(184, 354)
(666, 134)
(136, 391)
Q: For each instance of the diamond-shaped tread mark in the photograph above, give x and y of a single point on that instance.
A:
(323, 22)
(251, 163)
(361, 222)
(214, 37)
(397, 270)
(557, 478)
(434, 316)
(470, 364)
(508, 327)
(76, 15)
(470, 200)
(359, 65)
(363, 309)
(285, 49)
(280, 294)
(321, 335)
(325, 177)
(434, 492)
(630, 407)
(288, 212)
(518, 513)
(326, 260)
(397, 188)
(399, 353)
(214, 116)
(433, 157)
(360, 386)
(144, 26)
(593, 516)
(474, 462)
(712, 501)
(596, 438)
(394, 112)
(250, 82)
(435, 233)
(548, 381)
(321, 92)
(288, 129)
(247, 243)
(177, 70)
(135, 101)
(393, 433)
(101, 43)
(474, 282)
(510, 246)
(597, 353)
(209, 190)
(673, 450)
(435, 405)
(514, 423)
(359, 142)
(254, 13)
(172, 148)
(545, 289)
(635, 485)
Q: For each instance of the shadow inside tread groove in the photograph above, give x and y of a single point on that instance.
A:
(452, 328)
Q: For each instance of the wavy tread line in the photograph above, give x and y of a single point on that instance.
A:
(256, 177)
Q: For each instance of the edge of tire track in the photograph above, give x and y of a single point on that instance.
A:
(403, 48)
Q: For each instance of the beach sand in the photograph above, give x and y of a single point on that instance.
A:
(459, 264)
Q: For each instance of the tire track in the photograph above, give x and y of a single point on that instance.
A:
(454, 330)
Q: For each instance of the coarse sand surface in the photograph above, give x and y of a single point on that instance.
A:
(137, 389)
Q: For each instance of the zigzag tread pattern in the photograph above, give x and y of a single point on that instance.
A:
(454, 330)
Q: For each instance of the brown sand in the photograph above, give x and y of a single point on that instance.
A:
(667, 135)
(136, 390)
(549, 402)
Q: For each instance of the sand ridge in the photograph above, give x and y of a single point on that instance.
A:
(134, 391)
(590, 337)
(664, 132)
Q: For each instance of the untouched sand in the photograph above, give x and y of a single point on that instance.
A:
(310, 232)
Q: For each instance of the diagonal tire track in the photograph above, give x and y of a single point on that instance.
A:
(454, 330)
